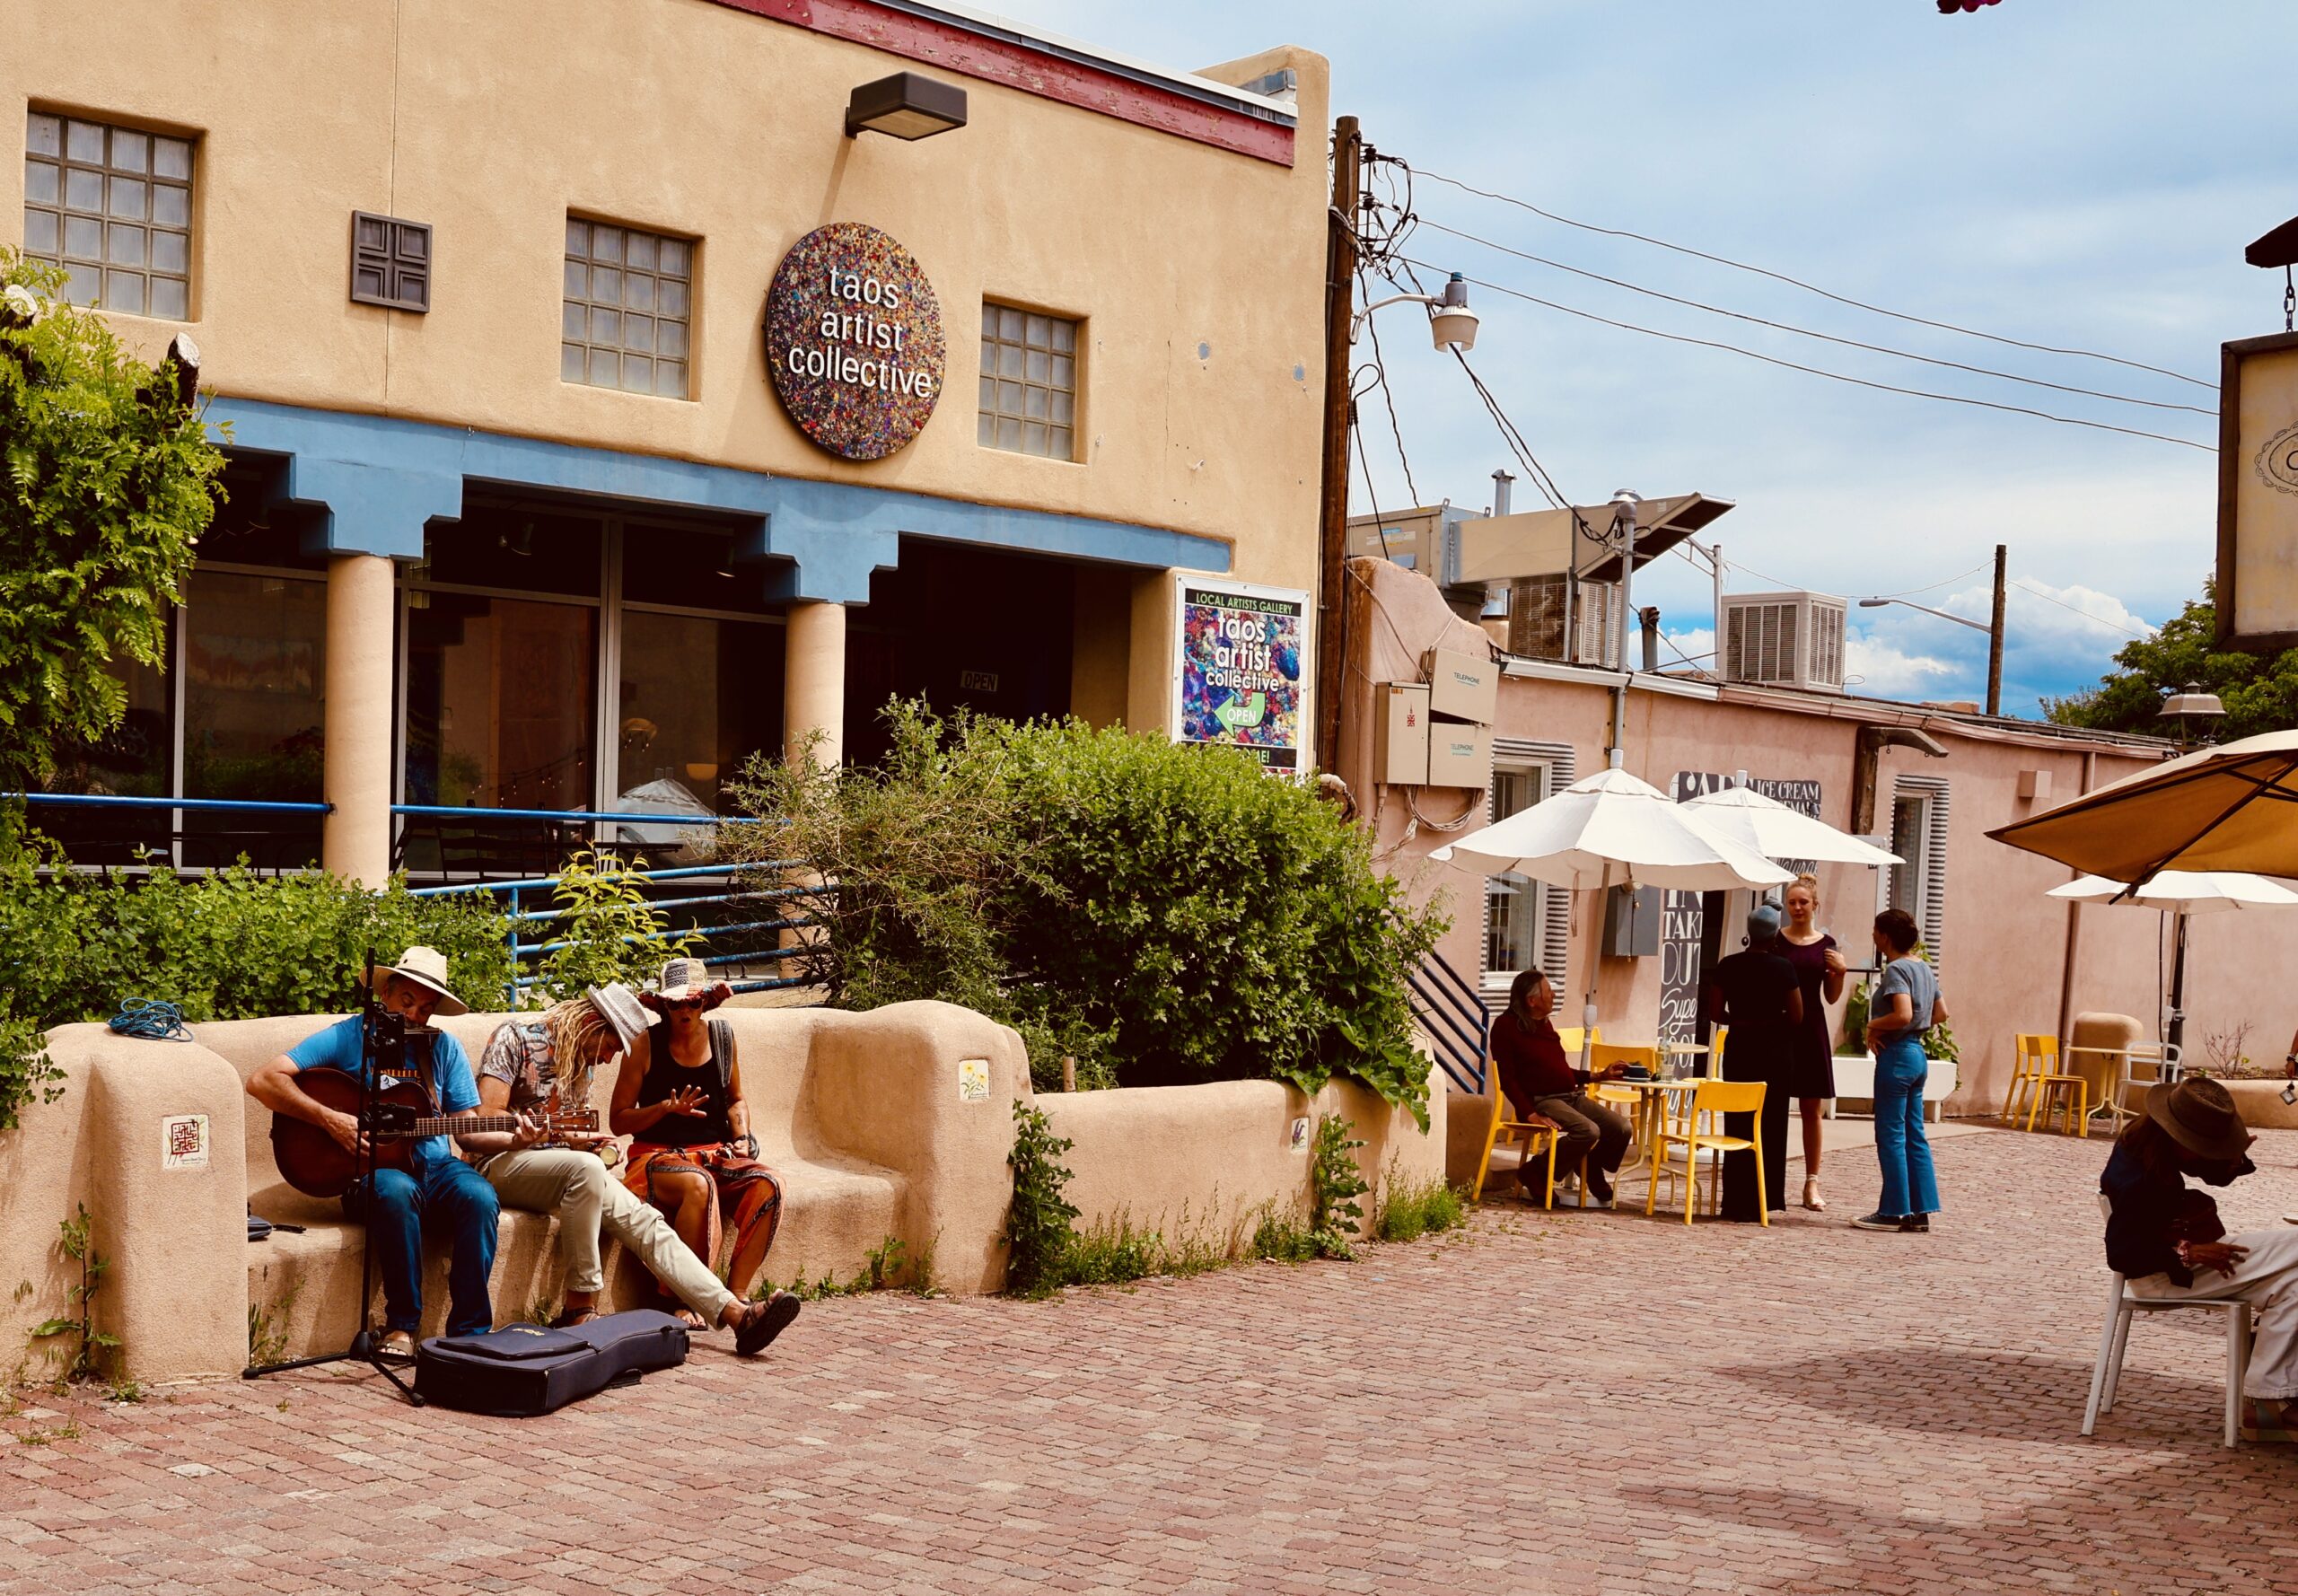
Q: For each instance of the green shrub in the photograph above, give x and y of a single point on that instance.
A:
(608, 930)
(1408, 1212)
(1041, 1228)
(1165, 914)
(224, 946)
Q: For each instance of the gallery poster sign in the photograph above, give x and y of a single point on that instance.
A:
(1681, 917)
(853, 340)
(1240, 652)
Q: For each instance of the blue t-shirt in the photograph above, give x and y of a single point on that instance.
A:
(338, 1048)
(1913, 977)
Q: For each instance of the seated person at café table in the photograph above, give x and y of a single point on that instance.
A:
(2167, 1241)
(1539, 1080)
(1755, 993)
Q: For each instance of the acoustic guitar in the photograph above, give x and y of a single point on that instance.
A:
(317, 1165)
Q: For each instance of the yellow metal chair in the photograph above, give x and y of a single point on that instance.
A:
(2038, 1078)
(1715, 1070)
(1672, 1118)
(1714, 1097)
(1528, 1134)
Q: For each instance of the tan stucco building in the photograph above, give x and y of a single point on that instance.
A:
(519, 520)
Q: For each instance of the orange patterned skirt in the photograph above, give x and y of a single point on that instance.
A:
(747, 1209)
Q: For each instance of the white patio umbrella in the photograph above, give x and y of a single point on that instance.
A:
(1767, 827)
(2181, 893)
(1611, 827)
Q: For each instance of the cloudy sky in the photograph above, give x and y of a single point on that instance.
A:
(2078, 173)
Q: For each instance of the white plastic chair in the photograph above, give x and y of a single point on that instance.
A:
(2122, 1304)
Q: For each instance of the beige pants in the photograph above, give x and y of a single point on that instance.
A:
(576, 1186)
(2268, 1279)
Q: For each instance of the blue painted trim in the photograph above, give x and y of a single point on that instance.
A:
(377, 479)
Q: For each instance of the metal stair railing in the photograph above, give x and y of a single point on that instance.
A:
(1454, 1020)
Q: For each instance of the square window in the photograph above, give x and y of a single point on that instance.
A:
(89, 202)
(624, 322)
(1027, 384)
(390, 262)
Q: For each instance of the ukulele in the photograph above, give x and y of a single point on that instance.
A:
(317, 1165)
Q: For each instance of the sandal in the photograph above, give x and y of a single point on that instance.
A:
(765, 1321)
(571, 1317)
(688, 1318)
(395, 1347)
(1811, 1199)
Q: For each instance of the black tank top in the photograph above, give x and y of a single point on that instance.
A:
(714, 1075)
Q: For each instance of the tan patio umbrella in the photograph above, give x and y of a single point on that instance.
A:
(2180, 893)
(2231, 808)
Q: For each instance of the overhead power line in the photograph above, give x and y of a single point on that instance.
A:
(1952, 399)
(1808, 287)
(2076, 609)
(2120, 399)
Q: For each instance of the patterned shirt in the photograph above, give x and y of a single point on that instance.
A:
(519, 1054)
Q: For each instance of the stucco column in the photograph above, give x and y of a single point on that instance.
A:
(814, 681)
(357, 766)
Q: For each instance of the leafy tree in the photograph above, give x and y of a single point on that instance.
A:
(107, 481)
(2260, 693)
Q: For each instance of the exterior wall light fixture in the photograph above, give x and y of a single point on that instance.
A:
(1451, 323)
(905, 106)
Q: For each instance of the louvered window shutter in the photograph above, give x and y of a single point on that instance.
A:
(1930, 908)
(1555, 904)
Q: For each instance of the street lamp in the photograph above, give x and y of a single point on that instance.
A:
(1994, 631)
(1450, 321)
(2188, 705)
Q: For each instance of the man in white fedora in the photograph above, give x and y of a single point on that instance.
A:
(538, 1067)
(437, 1191)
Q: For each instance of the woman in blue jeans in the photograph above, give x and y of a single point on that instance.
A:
(1906, 1004)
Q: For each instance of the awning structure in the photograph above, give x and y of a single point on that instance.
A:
(1549, 542)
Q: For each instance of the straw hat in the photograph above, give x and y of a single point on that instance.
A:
(427, 968)
(684, 978)
(619, 1007)
(2199, 1115)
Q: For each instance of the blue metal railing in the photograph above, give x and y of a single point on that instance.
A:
(519, 917)
(1453, 1019)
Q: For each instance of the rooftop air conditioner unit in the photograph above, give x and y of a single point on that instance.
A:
(1789, 640)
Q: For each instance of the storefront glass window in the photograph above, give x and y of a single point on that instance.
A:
(698, 698)
(500, 698)
(254, 664)
(133, 762)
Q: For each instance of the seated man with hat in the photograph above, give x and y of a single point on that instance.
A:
(530, 1066)
(438, 1190)
(2167, 1241)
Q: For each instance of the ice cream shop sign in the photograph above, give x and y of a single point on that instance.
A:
(854, 340)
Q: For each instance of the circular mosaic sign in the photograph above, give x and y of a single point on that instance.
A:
(854, 340)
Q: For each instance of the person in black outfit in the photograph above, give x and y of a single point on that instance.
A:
(1755, 993)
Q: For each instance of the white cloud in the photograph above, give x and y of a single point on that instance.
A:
(1876, 668)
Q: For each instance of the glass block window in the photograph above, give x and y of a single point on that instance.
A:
(628, 309)
(1028, 382)
(112, 206)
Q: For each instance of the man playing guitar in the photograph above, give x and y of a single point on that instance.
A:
(534, 1066)
(438, 1190)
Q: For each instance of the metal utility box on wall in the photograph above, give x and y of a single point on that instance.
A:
(1400, 733)
(1460, 754)
(1632, 923)
(1462, 686)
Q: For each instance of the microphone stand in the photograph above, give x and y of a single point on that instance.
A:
(364, 1346)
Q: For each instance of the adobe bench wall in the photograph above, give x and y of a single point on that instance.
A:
(863, 1115)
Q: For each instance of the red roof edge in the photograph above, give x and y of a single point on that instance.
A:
(1014, 61)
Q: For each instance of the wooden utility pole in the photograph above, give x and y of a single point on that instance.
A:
(1332, 530)
(1995, 640)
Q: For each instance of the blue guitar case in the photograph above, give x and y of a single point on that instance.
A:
(525, 1369)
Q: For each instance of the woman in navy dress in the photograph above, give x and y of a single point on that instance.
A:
(1819, 977)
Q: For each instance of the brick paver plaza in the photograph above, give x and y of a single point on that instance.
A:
(1591, 1402)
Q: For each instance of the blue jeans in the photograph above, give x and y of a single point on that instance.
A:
(446, 1195)
(1910, 1187)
